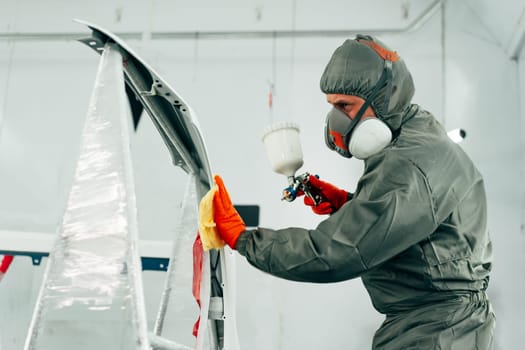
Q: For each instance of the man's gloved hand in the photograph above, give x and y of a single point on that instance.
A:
(229, 223)
(333, 198)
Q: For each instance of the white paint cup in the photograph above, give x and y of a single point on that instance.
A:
(283, 147)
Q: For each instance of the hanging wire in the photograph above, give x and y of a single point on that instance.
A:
(521, 110)
(272, 81)
(195, 56)
(11, 45)
(292, 59)
(146, 34)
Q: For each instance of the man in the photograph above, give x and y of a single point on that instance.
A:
(415, 228)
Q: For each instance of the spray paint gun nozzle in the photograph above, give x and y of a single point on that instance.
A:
(299, 185)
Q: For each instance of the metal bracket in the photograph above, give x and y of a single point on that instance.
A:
(148, 263)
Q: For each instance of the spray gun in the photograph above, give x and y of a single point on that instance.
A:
(286, 157)
(298, 184)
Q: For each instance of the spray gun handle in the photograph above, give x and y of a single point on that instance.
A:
(310, 191)
(316, 198)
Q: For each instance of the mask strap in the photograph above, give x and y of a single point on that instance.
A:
(384, 76)
(388, 91)
(388, 56)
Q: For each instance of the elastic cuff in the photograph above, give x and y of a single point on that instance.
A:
(242, 240)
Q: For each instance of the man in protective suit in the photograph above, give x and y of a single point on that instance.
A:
(415, 229)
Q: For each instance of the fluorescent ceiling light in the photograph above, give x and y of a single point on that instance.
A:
(457, 135)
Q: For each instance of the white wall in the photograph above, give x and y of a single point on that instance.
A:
(521, 91)
(483, 95)
(46, 85)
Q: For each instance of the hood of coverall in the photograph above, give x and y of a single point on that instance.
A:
(355, 68)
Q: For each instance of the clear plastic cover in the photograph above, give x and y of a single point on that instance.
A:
(91, 296)
(178, 310)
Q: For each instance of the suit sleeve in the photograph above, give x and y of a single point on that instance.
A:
(391, 211)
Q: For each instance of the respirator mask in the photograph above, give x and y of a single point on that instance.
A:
(359, 137)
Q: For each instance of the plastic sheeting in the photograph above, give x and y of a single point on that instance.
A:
(178, 310)
(91, 296)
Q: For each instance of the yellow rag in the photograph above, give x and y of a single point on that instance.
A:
(207, 229)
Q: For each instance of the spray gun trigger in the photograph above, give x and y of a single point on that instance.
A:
(316, 198)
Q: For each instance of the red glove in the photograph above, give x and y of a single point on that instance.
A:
(229, 223)
(333, 198)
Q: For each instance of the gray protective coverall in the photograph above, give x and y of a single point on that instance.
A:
(415, 230)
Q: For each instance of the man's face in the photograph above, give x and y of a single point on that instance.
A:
(349, 105)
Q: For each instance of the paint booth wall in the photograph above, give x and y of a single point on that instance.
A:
(461, 68)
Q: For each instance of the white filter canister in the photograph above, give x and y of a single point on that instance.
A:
(283, 147)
